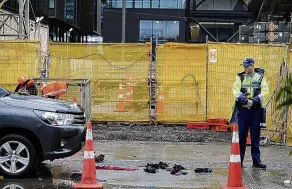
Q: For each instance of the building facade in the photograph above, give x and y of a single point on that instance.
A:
(175, 20)
(72, 20)
(62, 15)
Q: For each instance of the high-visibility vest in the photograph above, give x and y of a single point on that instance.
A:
(54, 88)
(27, 84)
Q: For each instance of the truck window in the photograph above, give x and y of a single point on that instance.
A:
(4, 92)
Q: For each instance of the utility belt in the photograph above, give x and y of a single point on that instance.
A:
(251, 107)
(263, 123)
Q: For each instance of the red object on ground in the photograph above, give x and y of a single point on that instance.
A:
(89, 179)
(235, 170)
(218, 124)
(198, 125)
(115, 168)
(217, 121)
(215, 127)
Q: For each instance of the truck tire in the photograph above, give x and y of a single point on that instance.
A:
(17, 156)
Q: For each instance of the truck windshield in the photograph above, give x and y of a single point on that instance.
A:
(4, 92)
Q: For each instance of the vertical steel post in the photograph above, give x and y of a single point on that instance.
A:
(150, 83)
(27, 21)
(207, 73)
(124, 22)
(285, 109)
(20, 24)
(98, 19)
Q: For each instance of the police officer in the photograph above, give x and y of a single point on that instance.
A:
(251, 93)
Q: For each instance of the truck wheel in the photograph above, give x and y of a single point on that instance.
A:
(12, 186)
(17, 155)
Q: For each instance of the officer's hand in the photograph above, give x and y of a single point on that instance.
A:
(249, 102)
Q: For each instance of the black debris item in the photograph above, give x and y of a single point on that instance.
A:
(203, 170)
(177, 170)
(179, 167)
(160, 165)
(150, 169)
(99, 158)
(75, 177)
(154, 165)
(184, 173)
(163, 165)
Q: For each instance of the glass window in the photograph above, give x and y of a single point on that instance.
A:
(138, 3)
(159, 30)
(129, 3)
(224, 5)
(168, 4)
(163, 4)
(146, 4)
(145, 30)
(69, 13)
(181, 4)
(206, 5)
(51, 4)
(155, 4)
(117, 3)
(220, 30)
(3, 92)
(163, 30)
(172, 31)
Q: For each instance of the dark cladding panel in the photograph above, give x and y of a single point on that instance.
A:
(86, 15)
(60, 4)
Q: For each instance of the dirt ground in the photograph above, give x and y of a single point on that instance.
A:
(166, 133)
(133, 146)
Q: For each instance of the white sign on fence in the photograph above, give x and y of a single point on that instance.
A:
(213, 55)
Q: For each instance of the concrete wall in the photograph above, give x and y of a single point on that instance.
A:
(38, 32)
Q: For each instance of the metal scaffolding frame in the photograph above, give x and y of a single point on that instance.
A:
(21, 30)
(195, 15)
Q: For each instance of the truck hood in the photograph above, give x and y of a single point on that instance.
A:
(39, 103)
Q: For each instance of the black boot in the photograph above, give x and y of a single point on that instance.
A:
(259, 165)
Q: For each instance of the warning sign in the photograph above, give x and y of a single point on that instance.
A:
(213, 55)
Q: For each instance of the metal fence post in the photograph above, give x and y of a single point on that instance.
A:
(285, 109)
(152, 82)
(207, 72)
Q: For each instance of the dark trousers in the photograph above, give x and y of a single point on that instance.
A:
(250, 119)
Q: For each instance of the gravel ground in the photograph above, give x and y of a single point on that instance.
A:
(167, 133)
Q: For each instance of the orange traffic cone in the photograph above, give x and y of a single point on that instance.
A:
(89, 179)
(235, 170)
(97, 87)
(248, 140)
(160, 105)
(129, 93)
(121, 103)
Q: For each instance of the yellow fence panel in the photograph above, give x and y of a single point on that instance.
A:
(18, 58)
(181, 77)
(118, 73)
(225, 62)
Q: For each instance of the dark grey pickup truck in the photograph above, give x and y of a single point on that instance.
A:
(34, 129)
